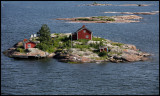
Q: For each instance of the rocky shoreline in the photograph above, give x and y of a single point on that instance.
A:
(137, 13)
(98, 4)
(118, 53)
(104, 19)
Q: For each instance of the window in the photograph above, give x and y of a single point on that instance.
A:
(87, 36)
(29, 45)
(84, 31)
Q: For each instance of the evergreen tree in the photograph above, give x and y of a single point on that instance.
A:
(44, 34)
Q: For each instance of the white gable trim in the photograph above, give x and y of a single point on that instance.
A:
(77, 35)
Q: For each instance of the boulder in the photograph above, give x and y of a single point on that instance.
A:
(129, 46)
(116, 49)
(131, 57)
(93, 42)
(19, 44)
(129, 51)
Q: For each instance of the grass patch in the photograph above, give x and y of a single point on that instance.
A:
(84, 41)
(97, 39)
(117, 44)
(103, 18)
(81, 47)
(21, 50)
(84, 19)
(102, 54)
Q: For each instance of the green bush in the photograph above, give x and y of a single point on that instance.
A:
(105, 18)
(117, 44)
(51, 49)
(84, 41)
(97, 39)
(42, 46)
(82, 47)
(110, 19)
(102, 54)
(85, 19)
(21, 50)
(94, 45)
(45, 47)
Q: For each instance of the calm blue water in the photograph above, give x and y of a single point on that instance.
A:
(48, 76)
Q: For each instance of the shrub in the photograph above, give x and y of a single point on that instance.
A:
(94, 45)
(85, 19)
(102, 54)
(117, 44)
(110, 19)
(97, 39)
(42, 46)
(82, 46)
(105, 18)
(84, 41)
(21, 50)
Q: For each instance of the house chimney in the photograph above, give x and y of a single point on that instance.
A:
(83, 26)
(25, 40)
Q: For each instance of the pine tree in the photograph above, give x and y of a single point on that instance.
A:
(44, 34)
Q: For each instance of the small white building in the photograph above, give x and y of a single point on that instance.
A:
(31, 36)
(35, 35)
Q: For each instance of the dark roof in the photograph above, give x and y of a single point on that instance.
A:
(30, 41)
(83, 27)
(102, 47)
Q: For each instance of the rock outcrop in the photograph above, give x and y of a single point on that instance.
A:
(104, 19)
(30, 53)
(137, 13)
(117, 52)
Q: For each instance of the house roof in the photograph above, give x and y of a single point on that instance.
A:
(83, 27)
(102, 47)
(30, 41)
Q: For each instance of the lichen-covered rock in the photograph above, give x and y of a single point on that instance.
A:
(129, 46)
(93, 42)
(116, 49)
(51, 55)
(19, 44)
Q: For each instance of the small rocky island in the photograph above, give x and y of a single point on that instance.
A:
(137, 13)
(99, 4)
(104, 19)
(78, 47)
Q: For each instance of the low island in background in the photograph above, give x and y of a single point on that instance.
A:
(78, 47)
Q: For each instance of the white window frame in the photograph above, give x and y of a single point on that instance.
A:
(29, 45)
(87, 36)
(84, 31)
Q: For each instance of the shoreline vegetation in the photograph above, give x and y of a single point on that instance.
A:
(98, 4)
(137, 13)
(104, 19)
(60, 46)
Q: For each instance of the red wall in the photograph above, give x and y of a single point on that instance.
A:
(105, 49)
(32, 45)
(82, 35)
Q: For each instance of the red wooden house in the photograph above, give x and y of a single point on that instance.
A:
(82, 33)
(28, 44)
(103, 48)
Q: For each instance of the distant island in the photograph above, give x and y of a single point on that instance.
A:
(78, 47)
(104, 19)
(99, 4)
(137, 13)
